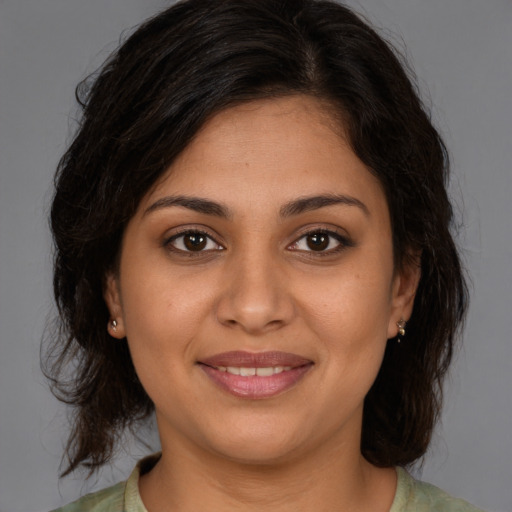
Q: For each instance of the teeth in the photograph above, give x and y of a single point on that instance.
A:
(250, 372)
(264, 372)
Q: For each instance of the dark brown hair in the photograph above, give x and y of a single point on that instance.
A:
(143, 108)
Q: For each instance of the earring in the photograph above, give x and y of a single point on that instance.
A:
(401, 329)
(114, 325)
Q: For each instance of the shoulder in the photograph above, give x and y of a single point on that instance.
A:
(415, 496)
(122, 497)
(110, 499)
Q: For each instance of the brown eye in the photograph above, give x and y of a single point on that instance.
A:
(195, 241)
(321, 242)
(317, 241)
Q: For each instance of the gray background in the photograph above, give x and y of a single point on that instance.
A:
(462, 52)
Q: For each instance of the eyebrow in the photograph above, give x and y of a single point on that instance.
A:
(295, 207)
(196, 204)
(306, 204)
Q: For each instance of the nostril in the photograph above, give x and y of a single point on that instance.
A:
(254, 302)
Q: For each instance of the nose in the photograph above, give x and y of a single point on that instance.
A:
(256, 297)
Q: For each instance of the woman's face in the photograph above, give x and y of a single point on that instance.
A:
(256, 286)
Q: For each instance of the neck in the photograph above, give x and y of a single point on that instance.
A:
(333, 478)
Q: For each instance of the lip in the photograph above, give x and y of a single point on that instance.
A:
(256, 359)
(256, 387)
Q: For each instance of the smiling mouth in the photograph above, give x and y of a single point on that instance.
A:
(255, 375)
(243, 371)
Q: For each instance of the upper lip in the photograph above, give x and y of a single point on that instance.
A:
(242, 359)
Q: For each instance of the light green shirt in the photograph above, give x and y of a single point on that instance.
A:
(411, 496)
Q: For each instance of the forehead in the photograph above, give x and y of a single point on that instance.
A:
(278, 148)
(278, 125)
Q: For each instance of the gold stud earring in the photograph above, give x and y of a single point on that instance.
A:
(401, 329)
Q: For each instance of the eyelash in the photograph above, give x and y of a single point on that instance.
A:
(168, 243)
(343, 243)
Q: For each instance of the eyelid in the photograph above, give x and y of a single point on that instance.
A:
(185, 230)
(343, 238)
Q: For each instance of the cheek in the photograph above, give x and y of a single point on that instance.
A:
(163, 313)
(159, 330)
(158, 297)
(349, 301)
(349, 314)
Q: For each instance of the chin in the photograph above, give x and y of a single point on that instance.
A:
(259, 456)
(262, 447)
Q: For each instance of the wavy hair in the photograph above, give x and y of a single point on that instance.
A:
(139, 112)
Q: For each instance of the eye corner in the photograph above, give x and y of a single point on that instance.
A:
(199, 242)
(321, 242)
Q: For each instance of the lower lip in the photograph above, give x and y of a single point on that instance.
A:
(255, 387)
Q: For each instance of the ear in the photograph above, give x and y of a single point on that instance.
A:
(405, 284)
(112, 297)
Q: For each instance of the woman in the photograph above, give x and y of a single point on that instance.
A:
(252, 242)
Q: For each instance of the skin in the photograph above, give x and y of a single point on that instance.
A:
(258, 286)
